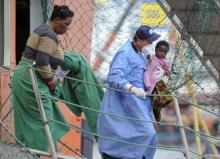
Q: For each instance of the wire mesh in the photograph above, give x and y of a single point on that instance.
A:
(189, 78)
(106, 15)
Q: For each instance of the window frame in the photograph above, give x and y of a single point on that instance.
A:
(1, 33)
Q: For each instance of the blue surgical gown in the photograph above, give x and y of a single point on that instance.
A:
(127, 67)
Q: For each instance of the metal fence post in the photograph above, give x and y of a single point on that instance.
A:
(42, 112)
(182, 131)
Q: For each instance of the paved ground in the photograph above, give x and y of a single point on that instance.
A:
(10, 151)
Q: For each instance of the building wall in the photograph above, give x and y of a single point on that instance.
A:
(36, 14)
(9, 61)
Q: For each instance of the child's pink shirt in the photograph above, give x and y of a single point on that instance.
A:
(150, 77)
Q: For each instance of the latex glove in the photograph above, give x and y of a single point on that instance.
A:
(159, 73)
(138, 92)
(127, 87)
(51, 85)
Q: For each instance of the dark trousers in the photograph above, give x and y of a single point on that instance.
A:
(105, 156)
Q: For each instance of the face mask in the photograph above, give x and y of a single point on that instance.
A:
(149, 49)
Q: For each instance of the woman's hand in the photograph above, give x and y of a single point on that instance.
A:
(51, 85)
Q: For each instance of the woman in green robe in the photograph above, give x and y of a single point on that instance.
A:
(42, 52)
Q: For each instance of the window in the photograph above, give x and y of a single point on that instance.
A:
(22, 26)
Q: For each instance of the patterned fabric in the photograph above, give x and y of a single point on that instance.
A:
(160, 102)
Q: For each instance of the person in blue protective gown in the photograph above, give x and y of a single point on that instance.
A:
(126, 73)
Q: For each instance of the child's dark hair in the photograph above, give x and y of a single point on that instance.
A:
(62, 12)
(162, 42)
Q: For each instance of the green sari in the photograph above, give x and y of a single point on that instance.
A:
(29, 128)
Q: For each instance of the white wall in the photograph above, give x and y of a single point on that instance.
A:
(36, 14)
(6, 33)
(1, 32)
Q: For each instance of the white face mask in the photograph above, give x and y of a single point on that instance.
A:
(149, 49)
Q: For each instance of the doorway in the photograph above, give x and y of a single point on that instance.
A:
(22, 26)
